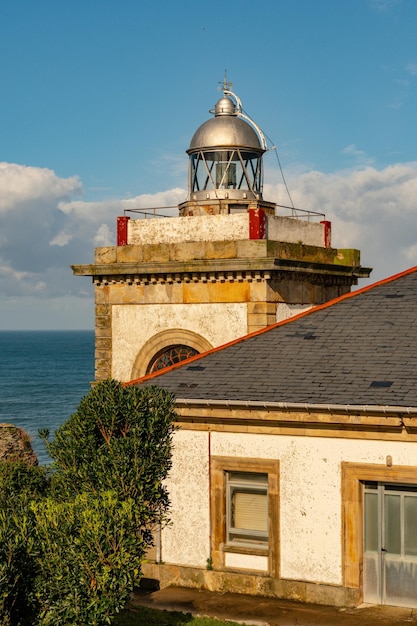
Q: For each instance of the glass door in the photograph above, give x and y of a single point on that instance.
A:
(390, 544)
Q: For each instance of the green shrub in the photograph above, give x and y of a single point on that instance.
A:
(106, 494)
(72, 542)
(19, 485)
(18, 479)
(91, 554)
(118, 439)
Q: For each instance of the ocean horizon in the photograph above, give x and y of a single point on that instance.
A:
(43, 377)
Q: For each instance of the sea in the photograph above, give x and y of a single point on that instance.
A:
(43, 377)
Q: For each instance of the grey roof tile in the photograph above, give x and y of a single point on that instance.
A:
(344, 353)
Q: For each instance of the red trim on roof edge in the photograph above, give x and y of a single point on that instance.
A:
(319, 307)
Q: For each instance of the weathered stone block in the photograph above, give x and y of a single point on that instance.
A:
(348, 256)
(216, 292)
(103, 331)
(156, 253)
(105, 255)
(103, 343)
(129, 254)
(251, 249)
(196, 292)
(101, 294)
(102, 365)
(229, 292)
(260, 320)
(102, 309)
(187, 251)
(221, 250)
(166, 293)
(261, 308)
(103, 321)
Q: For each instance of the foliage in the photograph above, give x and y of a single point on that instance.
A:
(72, 542)
(20, 484)
(18, 479)
(91, 556)
(119, 439)
(105, 496)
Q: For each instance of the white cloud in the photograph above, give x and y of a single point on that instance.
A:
(412, 69)
(383, 5)
(103, 237)
(410, 253)
(45, 228)
(400, 93)
(360, 157)
(372, 210)
(61, 239)
(20, 184)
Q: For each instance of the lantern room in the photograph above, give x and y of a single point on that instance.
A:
(225, 161)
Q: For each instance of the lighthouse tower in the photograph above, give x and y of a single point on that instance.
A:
(227, 265)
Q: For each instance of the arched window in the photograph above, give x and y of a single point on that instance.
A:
(169, 356)
(162, 343)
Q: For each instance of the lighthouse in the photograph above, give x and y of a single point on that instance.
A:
(230, 263)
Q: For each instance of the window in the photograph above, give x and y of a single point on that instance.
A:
(247, 508)
(169, 356)
(244, 510)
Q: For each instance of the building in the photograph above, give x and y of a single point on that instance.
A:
(295, 465)
(227, 265)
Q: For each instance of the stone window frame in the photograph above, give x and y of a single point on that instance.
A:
(164, 339)
(218, 493)
(353, 477)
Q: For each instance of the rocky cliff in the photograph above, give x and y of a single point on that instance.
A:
(15, 445)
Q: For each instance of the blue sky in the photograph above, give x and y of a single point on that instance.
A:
(99, 100)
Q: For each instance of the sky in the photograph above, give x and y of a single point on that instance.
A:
(99, 100)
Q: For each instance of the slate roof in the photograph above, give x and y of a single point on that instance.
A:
(360, 349)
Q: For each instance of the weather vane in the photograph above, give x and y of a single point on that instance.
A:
(225, 85)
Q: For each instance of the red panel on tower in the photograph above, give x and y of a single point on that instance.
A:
(122, 230)
(257, 224)
(327, 233)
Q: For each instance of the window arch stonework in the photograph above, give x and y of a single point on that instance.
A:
(165, 340)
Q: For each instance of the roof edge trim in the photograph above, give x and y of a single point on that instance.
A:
(304, 406)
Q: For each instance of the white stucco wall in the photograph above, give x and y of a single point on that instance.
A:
(187, 541)
(293, 230)
(133, 325)
(195, 228)
(284, 310)
(233, 227)
(310, 497)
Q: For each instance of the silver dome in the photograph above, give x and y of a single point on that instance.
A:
(225, 130)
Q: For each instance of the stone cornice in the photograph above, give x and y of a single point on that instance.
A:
(218, 270)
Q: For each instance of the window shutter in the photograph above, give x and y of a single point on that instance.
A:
(250, 511)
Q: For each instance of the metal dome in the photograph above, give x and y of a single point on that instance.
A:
(225, 130)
